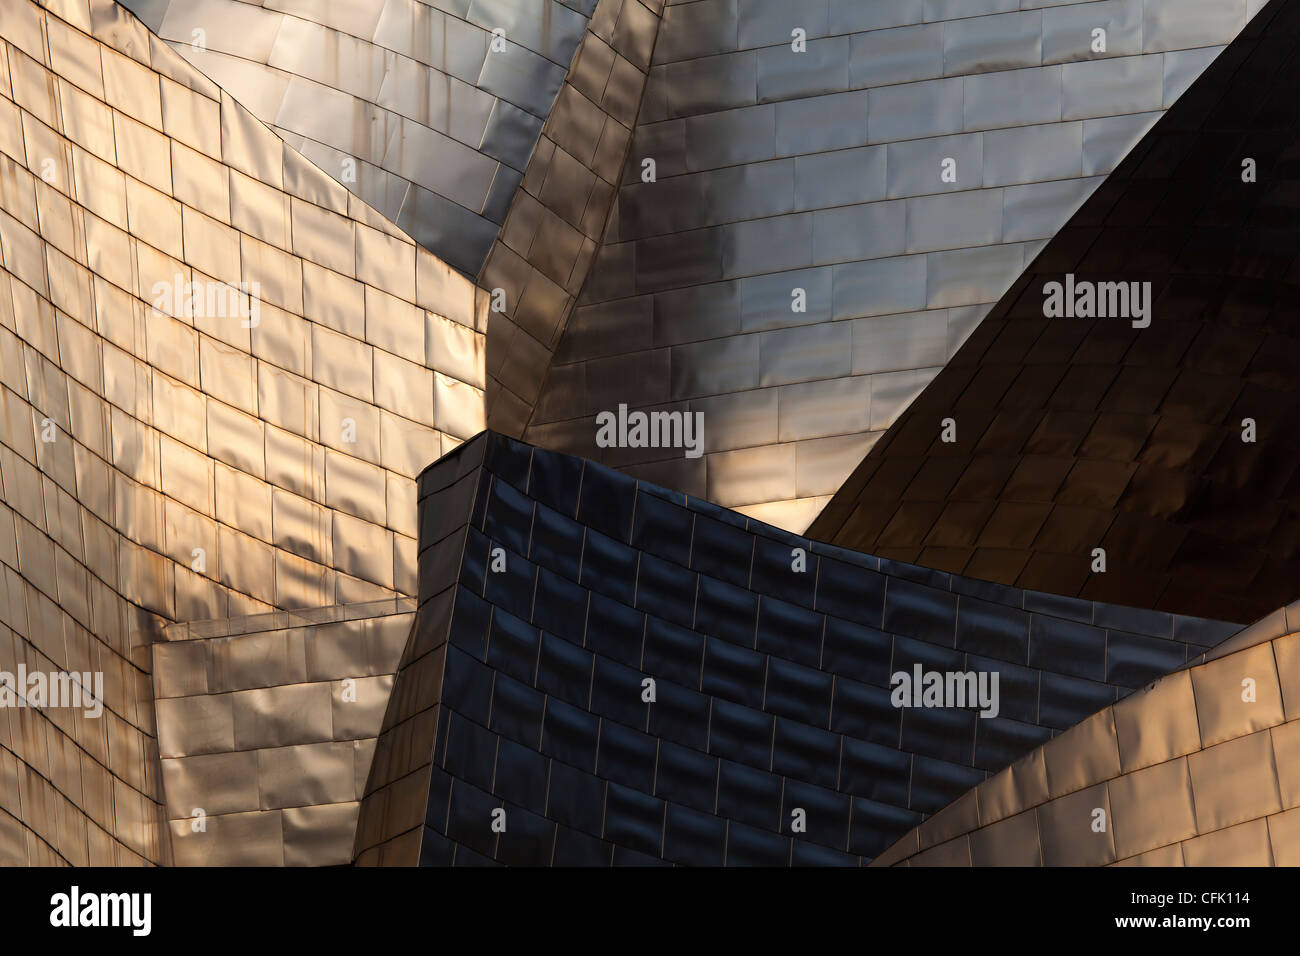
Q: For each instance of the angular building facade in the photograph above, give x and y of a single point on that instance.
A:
(624, 674)
(305, 308)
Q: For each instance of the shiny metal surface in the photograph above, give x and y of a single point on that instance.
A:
(552, 589)
(1135, 460)
(821, 171)
(161, 462)
(266, 730)
(547, 245)
(1197, 769)
(406, 102)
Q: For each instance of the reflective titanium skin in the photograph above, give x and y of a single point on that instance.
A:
(521, 688)
(161, 466)
(405, 97)
(1185, 772)
(266, 730)
(821, 171)
(1173, 448)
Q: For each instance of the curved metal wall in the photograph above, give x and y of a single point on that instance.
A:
(1197, 769)
(822, 171)
(163, 463)
(521, 688)
(1165, 443)
(404, 101)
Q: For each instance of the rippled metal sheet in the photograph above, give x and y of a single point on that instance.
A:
(820, 171)
(161, 462)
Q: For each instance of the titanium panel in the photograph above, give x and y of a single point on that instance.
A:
(989, 125)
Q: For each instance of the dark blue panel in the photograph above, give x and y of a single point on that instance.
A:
(681, 715)
(1133, 660)
(852, 650)
(734, 673)
(508, 459)
(521, 776)
(749, 847)
(666, 590)
(745, 793)
(512, 647)
(721, 551)
(606, 501)
(516, 710)
(576, 799)
(827, 814)
(616, 693)
(564, 671)
(1068, 700)
(662, 528)
(560, 606)
(569, 734)
(774, 571)
(808, 753)
(876, 772)
(528, 839)
(575, 848)
(812, 854)
(878, 825)
(1000, 742)
(509, 518)
(614, 630)
(1017, 688)
(992, 630)
(789, 631)
(634, 820)
(435, 814)
(512, 587)
(1067, 647)
(467, 686)
(609, 567)
(726, 611)
(849, 592)
(943, 732)
(936, 783)
(686, 776)
(473, 565)
(693, 838)
(557, 543)
(554, 480)
(471, 752)
(469, 819)
(864, 711)
(673, 653)
(920, 611)
(798, 692)
(435, 849)
(469, 623)
(627, 756)
(741, 734)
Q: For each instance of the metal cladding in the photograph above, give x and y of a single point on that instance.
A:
(617, 673)
(1199, 769)
(1164, 443)
(220, 374)
(841, 190)
(252, 625)
(546, 247)
(407, 102)
(266, 730)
